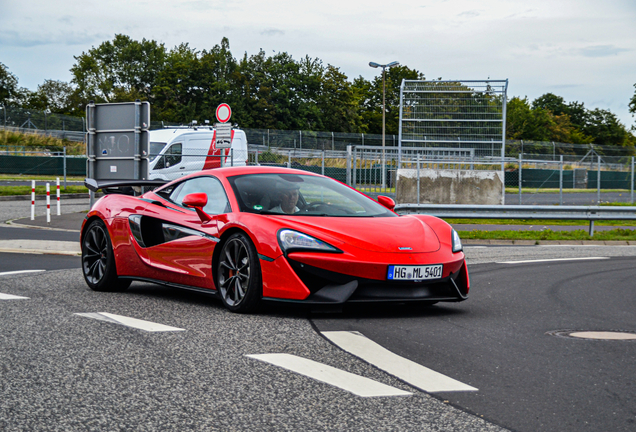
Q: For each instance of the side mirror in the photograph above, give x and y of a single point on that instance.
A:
(198, 201)
(386, 202)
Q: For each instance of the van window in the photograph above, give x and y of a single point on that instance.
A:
(171, 157)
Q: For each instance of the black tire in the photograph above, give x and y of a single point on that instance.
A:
(98, 261)
(238, 275)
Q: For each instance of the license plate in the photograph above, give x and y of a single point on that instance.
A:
(397, 272)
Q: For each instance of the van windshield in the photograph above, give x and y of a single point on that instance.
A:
(155, 149)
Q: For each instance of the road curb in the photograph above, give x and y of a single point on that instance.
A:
(18, 225)
(51, 247)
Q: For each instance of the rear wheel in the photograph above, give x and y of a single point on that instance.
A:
(239, 274)
(98, 260)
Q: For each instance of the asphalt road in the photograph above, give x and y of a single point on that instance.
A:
(15, 233)
(499, 341)
(64, 371)
(10, 262)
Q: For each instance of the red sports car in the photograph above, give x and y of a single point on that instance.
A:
(252, 234)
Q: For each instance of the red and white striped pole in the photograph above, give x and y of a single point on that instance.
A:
(32, 199)
(48, 203)
(58, 197)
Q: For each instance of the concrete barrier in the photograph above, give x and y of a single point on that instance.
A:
(450, 186)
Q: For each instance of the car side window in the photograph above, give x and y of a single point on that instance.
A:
(212, 187)
(171, 157)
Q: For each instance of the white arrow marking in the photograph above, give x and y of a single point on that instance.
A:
(130, 322)
(413, 373)
(19, 272)
(11, 297)
(355, 384)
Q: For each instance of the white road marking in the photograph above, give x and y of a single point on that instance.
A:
(551, 260)
(355, 384)
(19, 272)
(11, 297)
(404, 369)
(130, 322)
(604, 335)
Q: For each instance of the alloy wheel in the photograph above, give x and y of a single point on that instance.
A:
(234, 272)
(95, 254)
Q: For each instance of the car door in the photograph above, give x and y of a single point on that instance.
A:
(179, 246)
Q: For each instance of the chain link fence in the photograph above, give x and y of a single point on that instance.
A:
(535, 172)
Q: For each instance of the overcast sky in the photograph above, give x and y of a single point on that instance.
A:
(582, 50)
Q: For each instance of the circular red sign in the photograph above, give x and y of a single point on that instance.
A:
(223, 113)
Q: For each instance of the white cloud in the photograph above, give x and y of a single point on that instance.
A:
(580, 49)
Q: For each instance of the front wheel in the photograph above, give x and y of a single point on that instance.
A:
(98, 260)
(239, 274)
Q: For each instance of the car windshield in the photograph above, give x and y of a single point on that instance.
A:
(155, 149)
(302, 195)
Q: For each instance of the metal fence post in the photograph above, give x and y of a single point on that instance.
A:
(520, 177)
(503, 168)
(289, 159)
(598, 181)
(561, 180)
(354, 176)
(418, 178)
(323, 162)
(64, 167)
(349, 165)
(632, 182)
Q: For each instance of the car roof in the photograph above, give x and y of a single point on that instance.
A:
(168, 134)
(252, 169)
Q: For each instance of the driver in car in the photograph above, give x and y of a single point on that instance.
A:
(288, 196)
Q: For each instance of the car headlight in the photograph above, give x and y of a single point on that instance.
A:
(457, 243)
(290, 240)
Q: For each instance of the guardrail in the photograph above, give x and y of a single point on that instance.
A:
(468, 211)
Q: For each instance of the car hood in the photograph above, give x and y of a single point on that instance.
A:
(405, 234)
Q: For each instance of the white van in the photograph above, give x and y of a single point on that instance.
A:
(175, 152)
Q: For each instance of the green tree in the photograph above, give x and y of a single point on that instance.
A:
(58, 96)
(10, 92)
(119, 71)
(551, 102)
(540, 123)
(632, 106)
(8, 85)
(605, 128)
(338, 103)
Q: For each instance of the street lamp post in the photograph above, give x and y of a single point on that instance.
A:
(4, 128)
(46, 120)
(384, 67)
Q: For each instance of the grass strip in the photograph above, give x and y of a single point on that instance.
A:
(616, 234)
(538, 222)
(38, 178)
(532, 191)
(40, 190)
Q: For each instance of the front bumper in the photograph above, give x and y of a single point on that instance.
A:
(328, 287)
